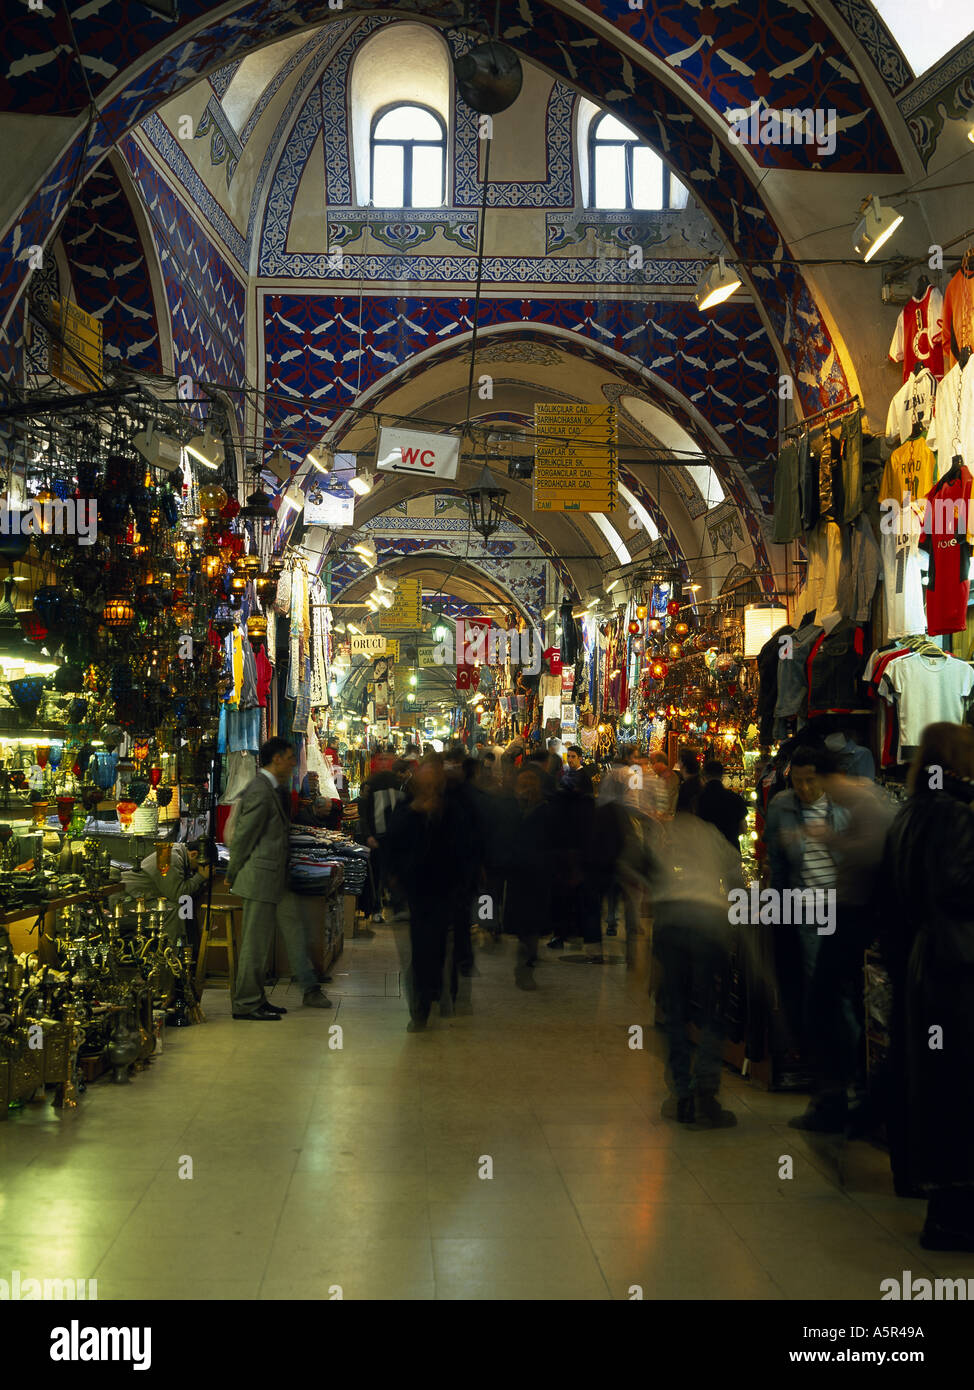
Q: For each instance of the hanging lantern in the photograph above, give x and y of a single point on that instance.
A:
(681, 629)
(639, 646)
(118, 613)
(223, 619)
(658, 670)
(633, 627)
(655, 625)
(213, 498)
(181, 551)
(257, 627)
(155, 776)
(238, 585)
(41, 754)
(674, 651)
(248, 565)
(213, 565)
(641, 612)
(266, 585)
(673, 607)
(485, 504)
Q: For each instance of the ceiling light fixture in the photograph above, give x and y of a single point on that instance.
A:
(321, 457)
(365, 550)
(716, 284)
(158, 449)
(362, 483)
(878, 224)
(206, 448)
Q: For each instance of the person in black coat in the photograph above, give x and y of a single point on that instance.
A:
(720, 806)
(531, 868)
(428, 847)
(927, 938)
(691, 784)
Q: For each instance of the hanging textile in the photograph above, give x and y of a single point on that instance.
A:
(319, 646)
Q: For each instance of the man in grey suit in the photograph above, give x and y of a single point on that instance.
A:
(257, 872)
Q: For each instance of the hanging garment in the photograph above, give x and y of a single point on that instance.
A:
(769, 659)
(248, 679)
(820, 596)
(951, 430)
(787, 502)
(835, 667)
(926, 690)
(910, 469)
(958, 327)
(903, 582)
(860, 569)
(319, 648)
(793, 678)
(821, 443)
(848, 449)
(265, 674)
(807, 481)
(241, 768)
(911, 408)
(919, 335)
(945, 539)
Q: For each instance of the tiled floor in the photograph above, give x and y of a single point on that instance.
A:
(361, 1167)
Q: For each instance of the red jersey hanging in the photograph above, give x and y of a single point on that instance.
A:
(918, 339)
(944, 538)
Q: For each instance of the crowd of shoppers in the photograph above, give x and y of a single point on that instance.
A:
(521, 842)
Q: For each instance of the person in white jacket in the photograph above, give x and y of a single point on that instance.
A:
(692, 870)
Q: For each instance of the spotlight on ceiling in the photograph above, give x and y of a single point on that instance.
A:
(321, 458)
(366, 551)
(878, 224)
(489, 77)
(716, 284)
(280, 465)
(160, 450)
(206, 448)
(548, 614)
(362, 483)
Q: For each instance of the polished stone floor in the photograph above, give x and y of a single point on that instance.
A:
(314, 1167)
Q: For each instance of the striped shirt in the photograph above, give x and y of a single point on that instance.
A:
(818, 866)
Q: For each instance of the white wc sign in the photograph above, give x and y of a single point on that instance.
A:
(411, 451)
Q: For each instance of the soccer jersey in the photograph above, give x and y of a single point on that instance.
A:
(903, 584)
(911, 469)
(919, 334)
(911, 407)
(958, 315)
(944, 538)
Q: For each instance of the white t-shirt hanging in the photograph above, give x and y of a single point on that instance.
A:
(927, 690)
(903, 584)
(912, 405)
(952, 427)
(919, 334)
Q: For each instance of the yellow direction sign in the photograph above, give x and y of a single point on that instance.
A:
(82, 347)
(406, 610)
(575, 458)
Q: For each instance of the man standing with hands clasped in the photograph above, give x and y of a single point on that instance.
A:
(257, 872)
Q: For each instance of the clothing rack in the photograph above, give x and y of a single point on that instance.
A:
(849, 404)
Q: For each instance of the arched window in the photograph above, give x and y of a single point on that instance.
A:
(626, 174)
(408, 158)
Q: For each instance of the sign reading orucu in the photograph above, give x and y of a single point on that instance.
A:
(410, 451)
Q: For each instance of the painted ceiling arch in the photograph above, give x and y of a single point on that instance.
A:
(468, 580)
(737, 484)
(666, 112)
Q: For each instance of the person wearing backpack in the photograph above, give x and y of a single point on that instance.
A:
(258, 833)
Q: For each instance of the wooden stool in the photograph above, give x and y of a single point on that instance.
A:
(211, 936)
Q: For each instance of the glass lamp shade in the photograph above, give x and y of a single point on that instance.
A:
(26, 693)
(761, 622)
(213, 565)
(126, 810)
(163, 797)
(633, 627)
(138, 790)
(641, 612)
(33, 624)
(65, 810)
(41, 753)
(257, 628)
(213, 498)
(248, 565)
(39, 811)
(238, 585)
(155, 776)
(55, 755)
(103, 769)
(655, 625)
(163, 856)
(266, 588)
(223, 619)
(118, 613)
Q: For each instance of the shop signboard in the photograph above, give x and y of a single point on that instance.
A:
(329, 509)
(406, 610)
(575, 458)
(427, 658)
(412, 451)
(82, 348)
(369, 644)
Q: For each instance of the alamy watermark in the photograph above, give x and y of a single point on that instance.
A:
(18, 1289)
(495, 646)
(56, 517)
(807, 125)
(787, 907)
